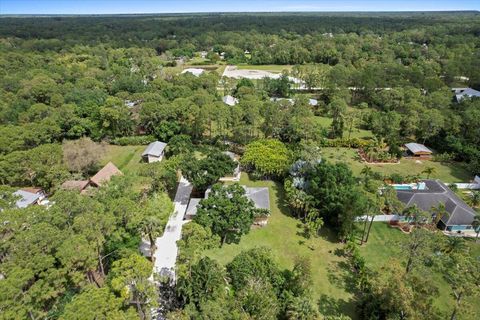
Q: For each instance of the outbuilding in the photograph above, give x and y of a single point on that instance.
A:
(418, 150)
(154, 152)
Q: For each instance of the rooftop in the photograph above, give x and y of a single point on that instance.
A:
(105, 174)
(437, 193)
(155, 149)
(466, 92)
(417, 147)
(230, 100)
(26, 198)
(75, 184)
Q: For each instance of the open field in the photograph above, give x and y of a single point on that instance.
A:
(283, 236)
(452, 172)
(383, 245)
(356, 133)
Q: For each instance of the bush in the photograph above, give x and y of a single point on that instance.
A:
(443, 157)
(133, 140)
(344, 143)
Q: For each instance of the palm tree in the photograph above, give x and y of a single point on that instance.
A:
(476, 225)
(366, 172)
(429, 171)
(438, 213)
(475, 198)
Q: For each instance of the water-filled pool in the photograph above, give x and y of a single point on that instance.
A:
(402, 187)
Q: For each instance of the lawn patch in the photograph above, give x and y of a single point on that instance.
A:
(283, 236)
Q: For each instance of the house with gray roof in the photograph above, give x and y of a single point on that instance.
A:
(463, 93)
(28, 196)
(260, 196)
(459, 215)
(154, 152)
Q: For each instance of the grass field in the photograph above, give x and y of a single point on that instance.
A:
(383, 245)
(356, 133)
(283, 237)
(454, 172)
(126, 158)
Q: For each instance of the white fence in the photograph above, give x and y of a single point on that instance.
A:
(471, 186)
(381, 218)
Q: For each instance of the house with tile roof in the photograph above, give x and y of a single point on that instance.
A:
(104, 175)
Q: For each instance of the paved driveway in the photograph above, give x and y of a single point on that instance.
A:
(167, 250)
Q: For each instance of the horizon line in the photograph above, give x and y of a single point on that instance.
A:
(238, 12)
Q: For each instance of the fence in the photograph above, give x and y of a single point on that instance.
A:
(381, 218)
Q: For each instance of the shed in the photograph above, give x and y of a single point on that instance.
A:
(418, 150)
(154, 152)
(105, 174)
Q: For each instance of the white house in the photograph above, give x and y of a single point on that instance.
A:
(154, 152)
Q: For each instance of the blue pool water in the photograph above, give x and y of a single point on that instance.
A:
(403, 187)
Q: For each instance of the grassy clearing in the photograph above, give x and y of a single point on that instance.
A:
(126, 158)
(356, 133)
(454, 172)
(383, 245)
(129, 160)
(283, 237)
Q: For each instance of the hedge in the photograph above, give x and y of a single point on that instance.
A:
(133, 140)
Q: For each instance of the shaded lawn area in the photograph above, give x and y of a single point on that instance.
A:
(383, 245)
(446, 172)
(326, 122)
(282, 236)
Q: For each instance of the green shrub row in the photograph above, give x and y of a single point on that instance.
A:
(133, 140)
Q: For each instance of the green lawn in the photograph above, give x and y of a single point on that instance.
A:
(355, 133)
(454, 172)
(383, 245)
(283, 236)
(127, 158)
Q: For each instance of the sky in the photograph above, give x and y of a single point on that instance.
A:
(180, 6)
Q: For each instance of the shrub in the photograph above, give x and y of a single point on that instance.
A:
(133, 140)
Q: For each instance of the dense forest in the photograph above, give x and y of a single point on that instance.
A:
(71, 85)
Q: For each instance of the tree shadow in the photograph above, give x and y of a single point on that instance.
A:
(328, 235)
(329, 306)
(281, 203)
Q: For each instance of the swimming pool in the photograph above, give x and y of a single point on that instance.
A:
(402, 187)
